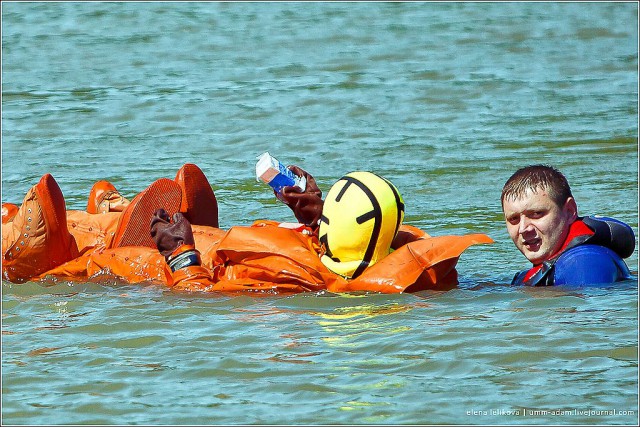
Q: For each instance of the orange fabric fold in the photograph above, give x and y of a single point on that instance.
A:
(130, 264)
(92, 230)
(423, 264)
(277, 255)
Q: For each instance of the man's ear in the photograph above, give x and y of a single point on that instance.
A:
(571, 208)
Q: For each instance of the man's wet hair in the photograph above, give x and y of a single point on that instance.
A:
(537, 177)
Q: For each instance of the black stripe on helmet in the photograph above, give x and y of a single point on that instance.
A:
(327, 251)
(343, 189)
(399, 204)
(376, 213)
(366, 217)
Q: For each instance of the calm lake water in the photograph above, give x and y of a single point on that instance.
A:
(446, 100)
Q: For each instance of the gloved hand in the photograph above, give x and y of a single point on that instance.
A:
(306, 205)
(168, 235)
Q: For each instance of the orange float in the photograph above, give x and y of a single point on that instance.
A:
(264, 257)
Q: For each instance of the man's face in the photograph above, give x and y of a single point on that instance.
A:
(537, 225)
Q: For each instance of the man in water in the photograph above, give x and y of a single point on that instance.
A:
(542, 219)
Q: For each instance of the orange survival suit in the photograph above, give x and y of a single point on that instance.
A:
(41, 240)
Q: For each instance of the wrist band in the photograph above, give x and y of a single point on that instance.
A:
(180, 249)
(184, 259)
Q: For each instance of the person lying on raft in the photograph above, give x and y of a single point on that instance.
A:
(40, 235)
(343, 244)
(542, 219)
(346, 242)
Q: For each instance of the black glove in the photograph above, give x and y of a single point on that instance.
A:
(171, 236)
(306, 205)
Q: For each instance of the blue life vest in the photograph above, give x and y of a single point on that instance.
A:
(587, 259)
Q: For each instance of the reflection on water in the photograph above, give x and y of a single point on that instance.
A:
(342, 353)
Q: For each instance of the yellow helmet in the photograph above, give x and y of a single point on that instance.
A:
(360, 218)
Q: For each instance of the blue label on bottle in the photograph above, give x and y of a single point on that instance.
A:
(282, 179)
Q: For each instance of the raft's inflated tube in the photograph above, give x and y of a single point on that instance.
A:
(360, 218)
